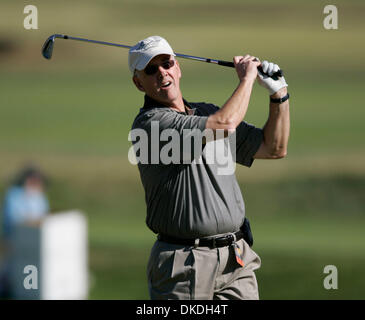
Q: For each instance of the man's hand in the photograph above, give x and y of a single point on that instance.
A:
(269, 83)
(246, 67)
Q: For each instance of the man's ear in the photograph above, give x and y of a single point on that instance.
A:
(138, 83)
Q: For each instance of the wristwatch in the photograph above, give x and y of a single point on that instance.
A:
(280, 100)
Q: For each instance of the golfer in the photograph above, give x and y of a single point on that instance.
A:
(203, 248)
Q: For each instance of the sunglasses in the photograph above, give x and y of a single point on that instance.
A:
(151, 69)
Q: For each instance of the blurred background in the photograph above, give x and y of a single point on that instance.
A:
(71, 116)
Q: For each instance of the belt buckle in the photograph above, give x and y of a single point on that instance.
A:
(229, 238)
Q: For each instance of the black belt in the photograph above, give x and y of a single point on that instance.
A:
(217, 242)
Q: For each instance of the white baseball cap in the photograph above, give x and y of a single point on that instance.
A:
(145, 50)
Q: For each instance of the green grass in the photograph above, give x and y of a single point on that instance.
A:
(96, 118)
(295, 241)
(72, 115)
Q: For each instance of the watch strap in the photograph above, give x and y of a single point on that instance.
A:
(280, 100)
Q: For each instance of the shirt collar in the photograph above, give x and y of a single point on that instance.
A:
(152, 103)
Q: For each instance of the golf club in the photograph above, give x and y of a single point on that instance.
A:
(47, 50)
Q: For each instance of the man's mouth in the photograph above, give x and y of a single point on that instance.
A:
(165, 84)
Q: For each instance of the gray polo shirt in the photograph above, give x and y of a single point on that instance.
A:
(190, 199)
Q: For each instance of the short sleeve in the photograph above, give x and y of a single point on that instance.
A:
(248, 141)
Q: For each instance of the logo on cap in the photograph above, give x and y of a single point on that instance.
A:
(145, 45)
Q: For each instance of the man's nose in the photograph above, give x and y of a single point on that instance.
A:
(161, 71)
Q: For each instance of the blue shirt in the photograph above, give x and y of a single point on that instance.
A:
(21, 205)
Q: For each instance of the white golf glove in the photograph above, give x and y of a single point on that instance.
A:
(267, 82)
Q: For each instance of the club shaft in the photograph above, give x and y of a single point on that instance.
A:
(279, 73)
(185, 56)
(95, 41)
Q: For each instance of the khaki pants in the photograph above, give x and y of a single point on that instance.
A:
(188, 273)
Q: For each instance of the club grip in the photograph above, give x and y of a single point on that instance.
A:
(277, 74)
(226, 63)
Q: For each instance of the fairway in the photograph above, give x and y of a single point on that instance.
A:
(72, 115)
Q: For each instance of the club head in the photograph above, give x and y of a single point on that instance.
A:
(47, 48)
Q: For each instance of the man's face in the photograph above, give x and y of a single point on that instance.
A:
(164, 85)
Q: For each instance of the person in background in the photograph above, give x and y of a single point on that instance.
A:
(25, 203)
(25, 200)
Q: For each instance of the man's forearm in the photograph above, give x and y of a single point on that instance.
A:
(277, 127)
(234, 110)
